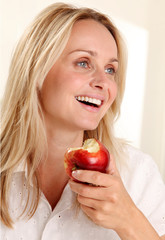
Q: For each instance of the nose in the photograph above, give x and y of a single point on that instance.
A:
(99, 80)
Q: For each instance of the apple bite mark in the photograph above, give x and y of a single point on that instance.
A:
(93, 155)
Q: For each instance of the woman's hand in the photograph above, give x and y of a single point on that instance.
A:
(107, 203)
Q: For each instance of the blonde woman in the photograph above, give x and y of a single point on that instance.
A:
(66, 55)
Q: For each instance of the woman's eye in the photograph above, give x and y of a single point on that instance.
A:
(110, 70)
(83, 64)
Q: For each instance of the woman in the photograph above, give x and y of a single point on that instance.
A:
(68, 59)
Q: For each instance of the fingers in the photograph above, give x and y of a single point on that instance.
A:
(87, 191)
(94, 204)
(93, 177)
(112, 169)
(100, 214)
(88, 211)
(88, 202)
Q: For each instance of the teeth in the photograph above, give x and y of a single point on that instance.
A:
(90, 100)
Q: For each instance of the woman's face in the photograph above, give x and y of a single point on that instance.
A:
(80, 87)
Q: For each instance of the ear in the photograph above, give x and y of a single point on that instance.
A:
(112, 169)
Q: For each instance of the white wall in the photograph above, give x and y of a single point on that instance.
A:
(142, 23)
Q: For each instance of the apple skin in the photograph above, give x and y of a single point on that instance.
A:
(83, 159)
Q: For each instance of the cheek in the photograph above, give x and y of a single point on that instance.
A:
(48, 93)
(113, 90)
(78, 79)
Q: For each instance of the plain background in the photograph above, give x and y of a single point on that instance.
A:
(142, 24)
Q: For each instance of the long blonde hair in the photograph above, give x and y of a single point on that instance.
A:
(23, 137)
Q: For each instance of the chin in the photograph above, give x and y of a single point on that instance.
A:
(91, 126)
(87, 124)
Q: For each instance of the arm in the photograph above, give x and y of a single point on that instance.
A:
(110, 206)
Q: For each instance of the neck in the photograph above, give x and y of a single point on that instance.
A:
(58, 142)
(52, 175)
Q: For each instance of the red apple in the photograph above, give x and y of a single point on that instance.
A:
(93, 155)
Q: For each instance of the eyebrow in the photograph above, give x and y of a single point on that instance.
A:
(93, 54)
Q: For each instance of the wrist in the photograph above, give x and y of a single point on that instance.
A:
(137, 227)
(127, 230)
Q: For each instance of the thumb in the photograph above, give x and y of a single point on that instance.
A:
(112, 169)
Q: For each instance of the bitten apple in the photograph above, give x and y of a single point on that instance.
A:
(93, 155)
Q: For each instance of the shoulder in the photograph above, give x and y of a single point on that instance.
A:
(144, 183)
(140, 161)
(141, 173)
(136, 155)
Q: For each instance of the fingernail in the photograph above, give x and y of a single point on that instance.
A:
(74, 174)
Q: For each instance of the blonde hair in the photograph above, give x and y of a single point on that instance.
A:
(23, 137)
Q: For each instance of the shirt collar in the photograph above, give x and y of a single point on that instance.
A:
(68, 198)
(67, 201)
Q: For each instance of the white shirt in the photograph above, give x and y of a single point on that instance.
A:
(142, 181)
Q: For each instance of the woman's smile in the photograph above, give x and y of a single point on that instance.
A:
(91, 104)
(89, 101)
